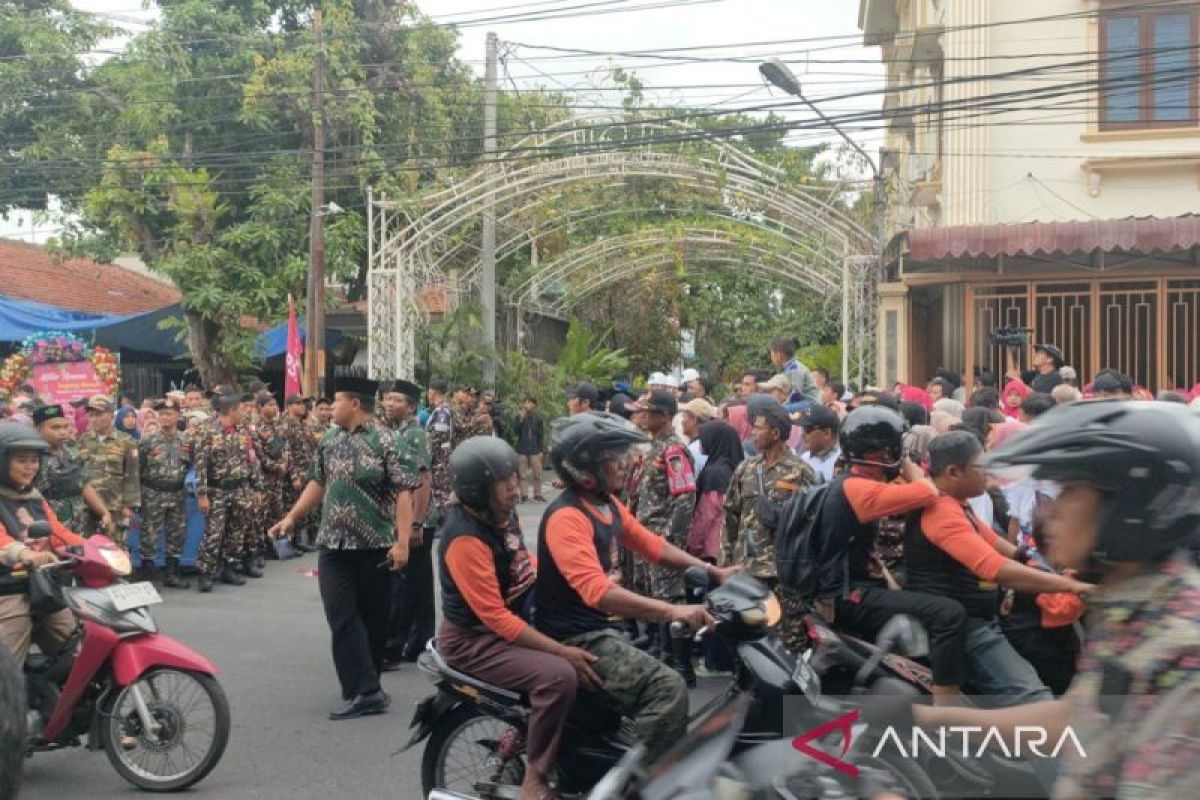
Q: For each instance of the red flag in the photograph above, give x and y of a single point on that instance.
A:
(295, 352)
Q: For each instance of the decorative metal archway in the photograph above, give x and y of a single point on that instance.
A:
(814, 243)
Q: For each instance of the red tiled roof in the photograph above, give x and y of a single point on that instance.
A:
(28, 272)
(1130, 235)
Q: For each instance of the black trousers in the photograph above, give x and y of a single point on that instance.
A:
(411, 623)
(868, 608)
(356, 592)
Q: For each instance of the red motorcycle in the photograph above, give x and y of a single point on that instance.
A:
(151, 703)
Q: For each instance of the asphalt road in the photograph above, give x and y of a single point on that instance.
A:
(270, 641)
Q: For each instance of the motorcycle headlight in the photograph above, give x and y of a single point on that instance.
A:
(118, 561)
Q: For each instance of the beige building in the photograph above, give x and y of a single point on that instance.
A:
(1043, 163)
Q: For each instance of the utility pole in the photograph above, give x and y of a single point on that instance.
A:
(314, 351)
(487, 248)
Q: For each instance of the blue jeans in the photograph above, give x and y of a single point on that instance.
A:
(996, 670)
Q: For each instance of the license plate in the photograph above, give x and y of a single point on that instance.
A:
(125, 596)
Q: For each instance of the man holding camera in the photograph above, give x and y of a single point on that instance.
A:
(1047, 361)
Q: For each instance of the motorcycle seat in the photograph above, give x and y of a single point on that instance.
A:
(434, 662)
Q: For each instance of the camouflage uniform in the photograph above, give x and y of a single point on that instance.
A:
(227, 472)
(273, 450)
(302, 447)
(164, 462)
(112, 462)
(634, 569)
(1136, 700)
(744, 532)
(440, 440)
(661, 512)
(466, 426)
(412, 618)
(61, 482)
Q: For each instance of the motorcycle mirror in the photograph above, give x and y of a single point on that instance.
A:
(38, 530)
(696, 578)
(904, 635)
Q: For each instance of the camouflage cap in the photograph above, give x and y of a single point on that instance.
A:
(100, 403)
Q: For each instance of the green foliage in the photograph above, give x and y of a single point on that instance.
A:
(583, 358)
(450, 347)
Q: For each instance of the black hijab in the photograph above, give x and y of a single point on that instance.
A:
(721, 443)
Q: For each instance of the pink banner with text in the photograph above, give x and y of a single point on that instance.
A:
(65, 381)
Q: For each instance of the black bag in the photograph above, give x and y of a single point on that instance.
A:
(801, 554)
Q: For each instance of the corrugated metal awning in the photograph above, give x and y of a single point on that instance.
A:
(1131, 235)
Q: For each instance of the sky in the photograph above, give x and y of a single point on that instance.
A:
(827, 30)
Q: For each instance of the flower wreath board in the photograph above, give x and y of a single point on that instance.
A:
(61, 367)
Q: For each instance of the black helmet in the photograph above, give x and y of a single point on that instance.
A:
(873, 429)
(579, 443)
(1144, 456)
(478, 463)
(18, 436)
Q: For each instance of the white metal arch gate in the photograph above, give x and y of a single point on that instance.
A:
(820, 247)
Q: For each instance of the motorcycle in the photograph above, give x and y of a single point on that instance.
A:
(152, 704)
(708, 765)
(475, 730)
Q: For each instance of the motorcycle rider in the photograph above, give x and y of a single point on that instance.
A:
(22, 450)
(486, 578)
(580, 597)
(950, 552)
(853, 594)
(1126, 519)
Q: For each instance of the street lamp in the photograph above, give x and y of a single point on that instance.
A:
(779, 75)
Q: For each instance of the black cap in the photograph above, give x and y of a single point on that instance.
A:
(584, 391)
(660, 401)
(296, 399)
(1051, 350)
(406, 388)
(43, 413)
(619, 405)
(821, 417)
(439, 385)
(362, 387)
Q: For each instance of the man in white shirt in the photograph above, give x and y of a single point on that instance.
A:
(821, 442)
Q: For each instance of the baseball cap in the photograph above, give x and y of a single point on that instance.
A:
(821, 417)
(99, 403)
(584, 391)
(700, 408)
(660, 401)
(1055, 354)
(43, 413)
(620, 404)
(778, 382)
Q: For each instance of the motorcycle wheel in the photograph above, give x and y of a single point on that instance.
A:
(194, 715)
(458, 757)
(911, 780)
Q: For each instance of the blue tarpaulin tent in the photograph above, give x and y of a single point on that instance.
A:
(20, 318)
(274, 342)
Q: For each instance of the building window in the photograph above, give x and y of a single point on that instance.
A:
(1148, 69)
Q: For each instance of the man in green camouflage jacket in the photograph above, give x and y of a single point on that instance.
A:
(111, 458)
(227, 472)
(302, 446)
(165, 457)
(64, 480)
(767, 480)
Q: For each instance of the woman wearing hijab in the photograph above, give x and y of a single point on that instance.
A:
(1015, 393)
(148, 422)
(127, 421)
(723, 447)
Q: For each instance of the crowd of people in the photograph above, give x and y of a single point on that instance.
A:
(653, 482)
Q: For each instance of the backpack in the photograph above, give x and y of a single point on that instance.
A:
(801, 556)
